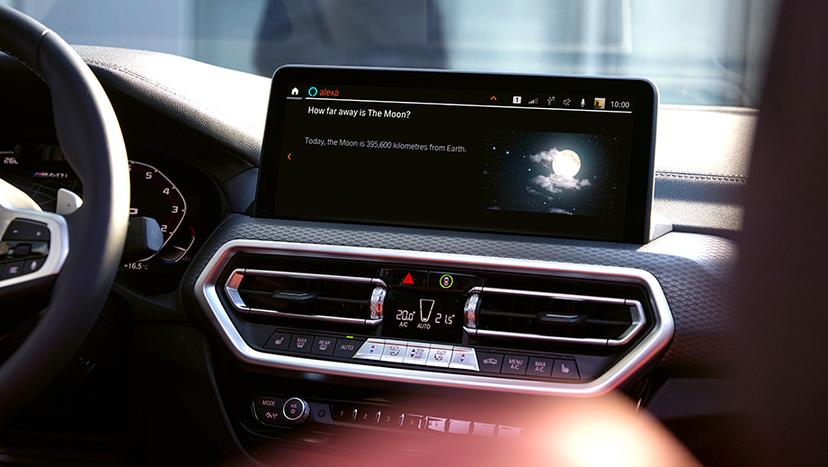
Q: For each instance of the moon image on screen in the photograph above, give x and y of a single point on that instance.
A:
(566, 163)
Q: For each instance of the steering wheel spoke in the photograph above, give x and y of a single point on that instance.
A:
(33, 248)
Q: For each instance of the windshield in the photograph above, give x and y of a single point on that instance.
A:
(704, 52)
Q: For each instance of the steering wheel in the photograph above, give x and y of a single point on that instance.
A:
(75, 256)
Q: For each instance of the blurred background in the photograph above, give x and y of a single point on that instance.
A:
(702, 52)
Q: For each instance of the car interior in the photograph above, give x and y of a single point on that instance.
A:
(401, 233)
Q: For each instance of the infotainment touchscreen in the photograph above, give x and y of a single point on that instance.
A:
(541, 155)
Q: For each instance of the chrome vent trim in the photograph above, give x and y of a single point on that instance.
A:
(641, 354)
(231, 288)
(638, 319)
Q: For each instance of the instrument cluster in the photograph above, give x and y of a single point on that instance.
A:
(173, 193)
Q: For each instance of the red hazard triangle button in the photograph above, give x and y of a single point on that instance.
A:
(408, 278)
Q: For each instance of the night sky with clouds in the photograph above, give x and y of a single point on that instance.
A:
(518, 176)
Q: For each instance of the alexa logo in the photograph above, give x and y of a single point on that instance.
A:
(312, 91)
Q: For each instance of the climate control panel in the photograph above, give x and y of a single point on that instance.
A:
(427, 318)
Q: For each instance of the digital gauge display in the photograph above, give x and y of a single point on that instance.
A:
(155, 196)
(423, 316)
(160, 188)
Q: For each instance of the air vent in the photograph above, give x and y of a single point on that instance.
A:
(553, 317)
(297, 295)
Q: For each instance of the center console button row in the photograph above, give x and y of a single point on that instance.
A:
(557, 368)
(419, 353)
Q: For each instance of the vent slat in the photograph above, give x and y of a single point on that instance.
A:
(337, 297)
(546, 315)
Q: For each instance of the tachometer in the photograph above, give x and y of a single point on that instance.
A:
(155, 195)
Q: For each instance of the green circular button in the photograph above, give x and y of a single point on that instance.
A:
(446, 281)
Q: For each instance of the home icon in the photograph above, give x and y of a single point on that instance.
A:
(294, 92)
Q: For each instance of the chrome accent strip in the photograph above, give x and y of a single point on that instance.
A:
(231, 288)
(470, 311)
(637, 318)
(656, 341)
(377, 302)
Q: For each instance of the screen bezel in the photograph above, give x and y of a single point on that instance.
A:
(642, 154)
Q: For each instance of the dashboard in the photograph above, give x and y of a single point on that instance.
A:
(262, 325)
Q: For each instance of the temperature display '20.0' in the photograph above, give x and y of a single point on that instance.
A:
(155, 195)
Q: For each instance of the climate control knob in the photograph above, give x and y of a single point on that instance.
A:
(295, 410)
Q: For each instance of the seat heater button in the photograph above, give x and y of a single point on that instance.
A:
(278, 341)
(463, 358)
(394, 351)
(565, 369)
(371, 349)
(439, 356)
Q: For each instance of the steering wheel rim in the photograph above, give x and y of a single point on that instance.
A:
(90, 137)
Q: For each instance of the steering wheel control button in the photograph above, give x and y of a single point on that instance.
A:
(449, 281)
(301, 343)
(371, 349)
(416, 354)
(459, 427)
(565, 369)
(278, 341)
(32, 265)
(541, 367)
(490, 362)
(10, 270)
(296, 410)
(405, 278)
(515, 365)
(394, 351)
(26, 230)
(439, 356)
(346, 348)
(323, 345)
(22, 250)
(268, 410)
(463, 358)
